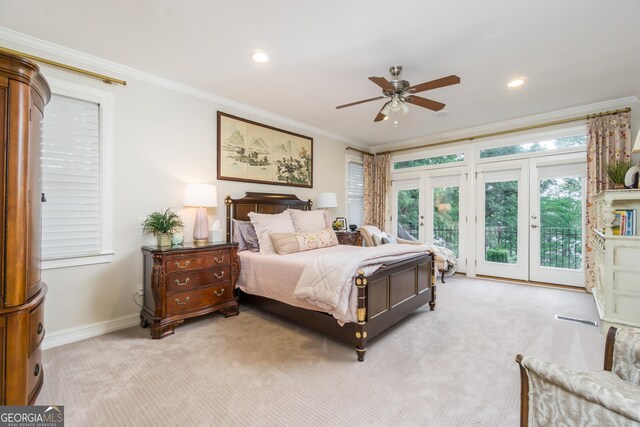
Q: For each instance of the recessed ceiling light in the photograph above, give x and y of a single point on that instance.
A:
(515, 83)
(259, 56)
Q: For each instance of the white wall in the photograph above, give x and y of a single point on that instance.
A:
(162, 140)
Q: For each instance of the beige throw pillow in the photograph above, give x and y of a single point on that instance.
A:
(265, 224)
(307, 220)
(288, 243)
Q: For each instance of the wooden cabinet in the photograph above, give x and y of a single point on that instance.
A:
(23, 95)
(187, 281)
(352, 238)
(617, 262)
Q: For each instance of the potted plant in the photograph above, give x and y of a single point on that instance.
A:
(616, 171)
(162, 225)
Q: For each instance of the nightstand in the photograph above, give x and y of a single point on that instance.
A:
(352, 238)
(187, 281)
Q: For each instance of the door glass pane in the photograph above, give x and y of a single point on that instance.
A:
(446, 208)
(561, 223)
(501, 222)
(408, 212)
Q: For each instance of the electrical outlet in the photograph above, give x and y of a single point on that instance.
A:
(141, 290)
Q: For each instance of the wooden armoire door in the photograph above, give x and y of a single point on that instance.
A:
(34, 227)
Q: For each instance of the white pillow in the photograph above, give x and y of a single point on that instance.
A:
(304, 221)
(265, 224)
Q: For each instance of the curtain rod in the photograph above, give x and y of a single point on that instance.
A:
(503, 132)
(105, 79)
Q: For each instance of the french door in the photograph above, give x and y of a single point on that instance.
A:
(530, 219)
(432, 209)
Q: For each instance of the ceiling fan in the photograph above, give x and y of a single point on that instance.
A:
(401, 92)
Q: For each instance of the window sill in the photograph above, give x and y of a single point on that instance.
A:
(51, 264)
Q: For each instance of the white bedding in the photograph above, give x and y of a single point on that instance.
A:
(276, 276)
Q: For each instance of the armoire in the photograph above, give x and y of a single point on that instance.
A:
(23, 94)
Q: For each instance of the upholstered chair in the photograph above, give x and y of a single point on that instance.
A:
(555, 396)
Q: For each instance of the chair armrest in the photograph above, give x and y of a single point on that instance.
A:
(556, 394)
(624, 346)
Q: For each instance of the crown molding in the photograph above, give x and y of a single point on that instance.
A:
(612, 104)
(29, 43)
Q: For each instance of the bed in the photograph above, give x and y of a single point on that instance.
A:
(383, 298)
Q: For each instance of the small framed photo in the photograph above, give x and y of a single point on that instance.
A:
(340, 223)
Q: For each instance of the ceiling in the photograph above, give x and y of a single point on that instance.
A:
(571, 53)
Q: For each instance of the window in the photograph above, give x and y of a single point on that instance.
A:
(355, 193)
(76, 219)
(438, 160)
(532, 147)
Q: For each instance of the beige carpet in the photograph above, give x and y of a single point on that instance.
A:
(451, 367)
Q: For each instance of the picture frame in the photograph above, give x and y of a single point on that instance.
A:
(252, 152)
(344, 223)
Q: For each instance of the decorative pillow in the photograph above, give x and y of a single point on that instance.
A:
(250, 237)
(288, 243)
(265, 224)
(307, 220)
(245, 235)
(236, 235)
(389, 239)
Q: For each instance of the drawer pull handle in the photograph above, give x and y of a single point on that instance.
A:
(219, 293)
(36, 371)
(218, 276)
(218, 260)
(186, 264)
(182, 284)
(182, 303)
(39, 328)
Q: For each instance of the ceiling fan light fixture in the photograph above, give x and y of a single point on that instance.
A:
(259, 57)
(386, 111)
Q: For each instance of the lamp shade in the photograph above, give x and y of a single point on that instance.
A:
(204, 195)
(636, 145)
(327, 200)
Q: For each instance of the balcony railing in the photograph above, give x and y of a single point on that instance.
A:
(559, 247)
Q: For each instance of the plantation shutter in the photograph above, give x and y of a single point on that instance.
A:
(355, 193)
(70, 160)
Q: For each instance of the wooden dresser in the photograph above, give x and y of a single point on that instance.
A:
(23, 95)
(187, 281)
(352, 238)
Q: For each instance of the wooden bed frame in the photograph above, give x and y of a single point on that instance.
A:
(384, 297)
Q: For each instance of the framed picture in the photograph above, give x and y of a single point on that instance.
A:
(252, 152)
(340, 223)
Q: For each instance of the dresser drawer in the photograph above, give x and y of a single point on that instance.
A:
(186, 301)
(187, 280)
(34, 372)
(177, 263)
(36, 327)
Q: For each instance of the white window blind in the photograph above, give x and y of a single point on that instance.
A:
(70, 159)
(355, 193)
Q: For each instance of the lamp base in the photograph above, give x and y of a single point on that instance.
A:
(201, 242)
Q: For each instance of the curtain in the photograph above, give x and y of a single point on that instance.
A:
(608, 139)
(376, 189)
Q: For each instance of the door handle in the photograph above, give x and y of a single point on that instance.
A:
(534, 226)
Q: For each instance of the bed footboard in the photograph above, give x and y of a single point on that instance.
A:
(384, 298)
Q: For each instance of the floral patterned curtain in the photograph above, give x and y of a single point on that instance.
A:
(608, 139)
(376, 188)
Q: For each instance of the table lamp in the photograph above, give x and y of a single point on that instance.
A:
(327, 200)
(202, 196)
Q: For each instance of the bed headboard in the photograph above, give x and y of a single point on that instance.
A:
(266, 203)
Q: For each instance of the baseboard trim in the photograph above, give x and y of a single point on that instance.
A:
(78, 333)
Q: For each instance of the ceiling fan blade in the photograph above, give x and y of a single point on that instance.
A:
(383, 83)
(424, 102)
(434, 84)
(359, 102)
(380, 117)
